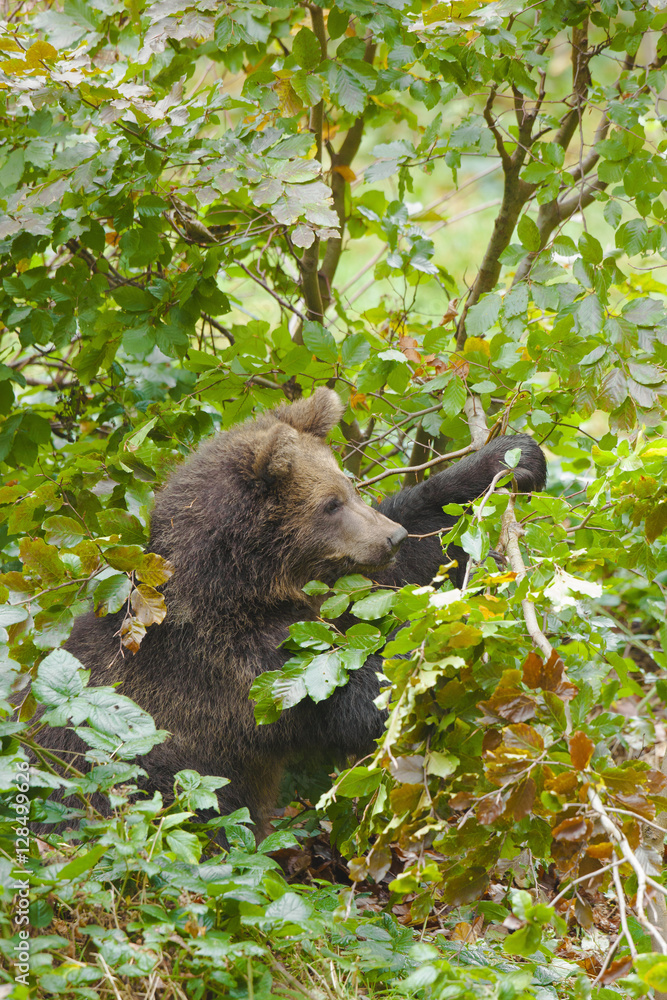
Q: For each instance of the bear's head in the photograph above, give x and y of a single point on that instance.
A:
(327, 529)
(264, 507)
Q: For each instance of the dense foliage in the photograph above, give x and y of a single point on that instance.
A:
(206, 208)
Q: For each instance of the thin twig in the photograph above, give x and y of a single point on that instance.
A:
(643, 880)
(419, 468)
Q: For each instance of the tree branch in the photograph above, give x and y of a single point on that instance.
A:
(419, 468)
(418, 456)
(479, 429)
(510, 532)
(316, 123)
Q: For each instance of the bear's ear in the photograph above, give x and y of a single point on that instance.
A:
(274, 453)
(315, 415)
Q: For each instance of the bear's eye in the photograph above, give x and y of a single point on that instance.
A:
(333, 505)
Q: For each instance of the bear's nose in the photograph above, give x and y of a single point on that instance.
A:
(397, 538)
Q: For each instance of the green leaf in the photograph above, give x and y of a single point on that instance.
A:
(528, 233)
(306, 49)
(320, 342)
(312, 635)
(185, 846)
(454, 397)
(323, 674)
(590, 249)
(124, 557)
(64, 531)
(589, 315)
(114, 521)
(133, 299)
(652, 970)
(42, 560)
(358, 781)
(289, 908)
(376, 605)
(11, 615)
(482, 316)
(516, 301)
(334, 606)
(337, 22)
(613, 213)
(59, 678)
(632, 237)
(355, 350)
(308, 86)
(111, 594)
(656, 522)
(82, 864)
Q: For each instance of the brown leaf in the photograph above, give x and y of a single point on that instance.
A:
(466, 887)
(538, 674)
(513, 707)
(566, 690)
(523, 737)
(379, 862)
(459, 366)
(148, 605)
(358, 399)
(617, 970)
(583, 912)
(632, 831)
(591, 866)
(491, 740)
(451, 313)
(533, 667)
(637, 803)
(468, 932)
(490, 809)
(657, 782)
(563, 784)
(574, 829)
(581, 750)
(521, 800)
(131, 633)
(461, 801)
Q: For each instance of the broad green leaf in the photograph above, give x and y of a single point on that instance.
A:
(376, 605)
(320, 342)
(528, 233)
(306, 49)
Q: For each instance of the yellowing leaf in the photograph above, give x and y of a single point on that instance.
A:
(148, 605)
(346, 173)
(473, 344)
(290, 104)
(131, 634)
(14, 66)
(154, 569)
(39, 51)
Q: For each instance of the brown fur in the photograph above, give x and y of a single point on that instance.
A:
(253, 515)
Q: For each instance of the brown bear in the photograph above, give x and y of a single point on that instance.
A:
(247, 521)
